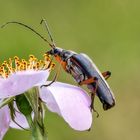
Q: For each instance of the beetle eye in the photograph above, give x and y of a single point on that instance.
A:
(55, 51)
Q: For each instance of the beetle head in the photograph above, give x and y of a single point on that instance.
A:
(60, 53)
(55, 51)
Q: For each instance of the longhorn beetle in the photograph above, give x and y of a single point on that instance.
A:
(82, 69)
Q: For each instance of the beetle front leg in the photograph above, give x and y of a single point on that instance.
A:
(106, 74)
(55, 77)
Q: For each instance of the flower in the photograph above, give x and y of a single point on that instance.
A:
(70, 102)
(18, 76)
(5, 121)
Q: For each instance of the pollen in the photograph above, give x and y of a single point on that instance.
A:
(16, 64)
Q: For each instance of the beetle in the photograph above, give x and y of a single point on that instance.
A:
(81, 68)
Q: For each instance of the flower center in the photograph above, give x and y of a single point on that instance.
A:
(16, 64)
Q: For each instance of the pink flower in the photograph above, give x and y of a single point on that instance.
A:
(4, 121)
(70, 102)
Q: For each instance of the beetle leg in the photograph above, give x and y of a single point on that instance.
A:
(92, 104)
(106, 74)
(93, 96)
(55, 77)
(88, 81)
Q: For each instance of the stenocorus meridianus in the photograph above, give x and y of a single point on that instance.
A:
(82, 69)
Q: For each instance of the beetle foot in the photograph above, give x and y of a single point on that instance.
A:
(97, 114)
(92, 104)
(94, 110)
(47, 84)
(106, 74)
(43, 86)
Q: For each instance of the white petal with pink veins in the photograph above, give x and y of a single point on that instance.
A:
(4, 121)
(70, 102)
(20, 82)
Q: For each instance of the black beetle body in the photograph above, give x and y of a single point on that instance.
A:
(81, 67)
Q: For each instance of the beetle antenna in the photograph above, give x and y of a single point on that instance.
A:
(48, 30)
(22, 24)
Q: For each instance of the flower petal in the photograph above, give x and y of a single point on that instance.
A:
(20, 82)
(4, 121)
(70, 102)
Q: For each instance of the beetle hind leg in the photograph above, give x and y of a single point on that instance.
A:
(93, 96)
(92, 104)
(88, 81)
(106, 74)
(94, 81)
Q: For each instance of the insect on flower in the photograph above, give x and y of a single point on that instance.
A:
(19, 77)
(82, 68)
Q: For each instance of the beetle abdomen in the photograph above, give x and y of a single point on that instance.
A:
(88, 67)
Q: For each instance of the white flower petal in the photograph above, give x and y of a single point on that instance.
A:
(20, 82)
(4, 121)
(70, 102)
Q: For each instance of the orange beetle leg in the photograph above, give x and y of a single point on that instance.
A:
(106, 74)
(88, 81)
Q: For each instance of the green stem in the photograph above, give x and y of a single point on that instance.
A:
(37, 124)
(37, 134)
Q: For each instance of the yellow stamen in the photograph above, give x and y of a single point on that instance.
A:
(16, 64)
(10, 61)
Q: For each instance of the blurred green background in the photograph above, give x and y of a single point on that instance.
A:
(108, 31)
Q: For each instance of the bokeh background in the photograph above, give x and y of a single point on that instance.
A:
(108, 31)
